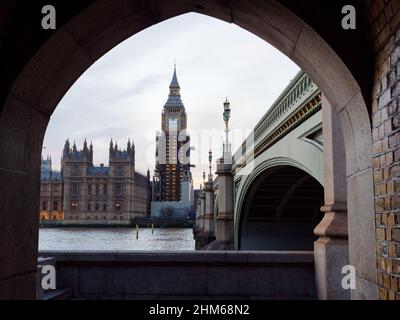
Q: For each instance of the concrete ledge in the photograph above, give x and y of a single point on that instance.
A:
(192, 257)
(219, 245)
(189, 275)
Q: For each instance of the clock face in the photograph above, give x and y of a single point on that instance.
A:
(173, 124)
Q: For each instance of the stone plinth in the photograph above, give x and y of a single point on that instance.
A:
(208, 234)
(202, 230)
(331, 253)
(224, 229)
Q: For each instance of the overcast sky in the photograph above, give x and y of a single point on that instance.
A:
(122, 94)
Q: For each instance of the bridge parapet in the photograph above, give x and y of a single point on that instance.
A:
(298, 101)
(202, 275)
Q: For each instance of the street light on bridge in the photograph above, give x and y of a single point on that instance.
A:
(227, 146)
(210, 177)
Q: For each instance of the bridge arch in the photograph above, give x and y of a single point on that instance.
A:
(291, 150)
(312, 167)
(280, 210)
(49, 65)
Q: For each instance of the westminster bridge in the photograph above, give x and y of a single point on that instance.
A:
(284, 188)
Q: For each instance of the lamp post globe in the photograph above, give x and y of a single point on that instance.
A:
(227, 111)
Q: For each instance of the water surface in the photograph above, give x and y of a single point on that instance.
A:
(115, 239)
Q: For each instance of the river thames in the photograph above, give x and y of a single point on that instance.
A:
(115, 239)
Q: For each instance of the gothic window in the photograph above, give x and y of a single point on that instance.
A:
(44, 205)
(74, 189)
(96, 207)
(118, 206)
(104, 206)
(75, 170)
(97, 189)
(89, 189)
(105, 189)
(120, 171)
(55, 205)
(118, 189)
(88, 207)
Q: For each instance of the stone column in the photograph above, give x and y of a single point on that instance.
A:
(196, 227)
(207, 235)
(209, 210)
(331, 252)
(202, 208)
(199, 237)
(224, 231)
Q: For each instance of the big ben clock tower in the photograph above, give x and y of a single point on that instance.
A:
(173, 146)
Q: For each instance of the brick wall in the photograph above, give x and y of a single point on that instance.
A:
(382, 20)
(384, 31)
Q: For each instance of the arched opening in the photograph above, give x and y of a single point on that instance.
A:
(53, 63)
(281, 211)
(109, 98)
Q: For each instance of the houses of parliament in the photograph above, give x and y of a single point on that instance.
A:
(83, 191)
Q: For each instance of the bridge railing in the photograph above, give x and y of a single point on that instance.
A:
(299, 91)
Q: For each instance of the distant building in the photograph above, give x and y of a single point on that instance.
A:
(87, 192)
(172, 187)
(51, 192)
(173, 148)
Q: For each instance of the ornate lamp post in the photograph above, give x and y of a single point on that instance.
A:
(227, 146)
(210, 177)
(224, 217)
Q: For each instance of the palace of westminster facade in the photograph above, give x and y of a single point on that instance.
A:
(82, 191)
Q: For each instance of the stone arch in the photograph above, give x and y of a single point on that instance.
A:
(275, 214)
(262, 168)
(100, 26)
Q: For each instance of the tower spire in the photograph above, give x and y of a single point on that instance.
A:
(174, 86)
(111, 145)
